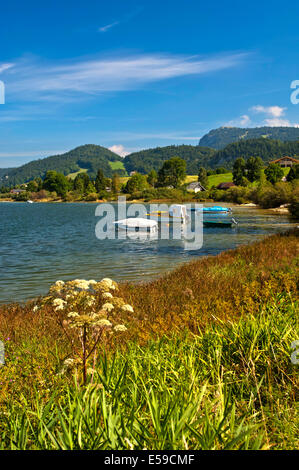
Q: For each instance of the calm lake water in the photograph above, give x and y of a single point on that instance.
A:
(40, 243)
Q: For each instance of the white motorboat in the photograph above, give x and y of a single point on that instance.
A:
(136, 224)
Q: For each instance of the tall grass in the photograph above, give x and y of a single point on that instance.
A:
(231, 386)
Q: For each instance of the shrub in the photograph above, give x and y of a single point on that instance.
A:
(91, 197)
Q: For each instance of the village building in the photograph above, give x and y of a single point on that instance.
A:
(17, 191)
(286, 162)
(195, 186)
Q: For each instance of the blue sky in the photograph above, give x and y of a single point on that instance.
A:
(137, 74)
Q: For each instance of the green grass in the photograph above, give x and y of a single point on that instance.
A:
(117, 165)
(73, 175)
(229, 387)
(214, 180)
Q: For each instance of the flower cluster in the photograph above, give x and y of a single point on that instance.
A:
(89, 308)
(88, 304)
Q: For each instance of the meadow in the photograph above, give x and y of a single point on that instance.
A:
(204, 362)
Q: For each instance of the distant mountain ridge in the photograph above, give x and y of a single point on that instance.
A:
(88, 157)
(223, 136)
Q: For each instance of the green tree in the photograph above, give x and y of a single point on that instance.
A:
(152, 178)
(239, 170)
(293, 174)
(32, 186)
(115, 183)
(100, 182)
(82, 184)
(137, 182)
(254, 167)
(56, 182)
(203, 177)
(172, 173)
(274, 173)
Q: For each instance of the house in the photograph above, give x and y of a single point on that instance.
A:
(17, 191)
(196, 187)
(226, 185)
(286, 162)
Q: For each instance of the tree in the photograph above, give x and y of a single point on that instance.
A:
(239, 169)
(100, 182)
(172, 173)
(293, 174)
(115, 183)
(32, 186)
(203, 177)
(137, 182)
(254, 167)
(152, 178)
(82, 184)
(274, 173)
(56, 182)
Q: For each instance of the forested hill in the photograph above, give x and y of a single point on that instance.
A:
(87, 157)
(267, 149)
(92, 157)
(221, 137)
(146, 160)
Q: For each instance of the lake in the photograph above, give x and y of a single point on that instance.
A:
(44, 242)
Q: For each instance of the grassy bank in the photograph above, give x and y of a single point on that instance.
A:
(205, 363)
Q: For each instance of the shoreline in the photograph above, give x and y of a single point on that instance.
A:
(280, 209)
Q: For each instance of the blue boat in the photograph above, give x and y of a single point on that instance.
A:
(213, 210)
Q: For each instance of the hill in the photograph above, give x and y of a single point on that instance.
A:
(267, 149)
(219, 138)
(146, 160)
(87, 157)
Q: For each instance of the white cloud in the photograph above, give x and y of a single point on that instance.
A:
(119, 150)
(274, 117)
(274, 111)
(105, 28)
(242, 121)
(4, 67)
(35, 80)
(277, 122)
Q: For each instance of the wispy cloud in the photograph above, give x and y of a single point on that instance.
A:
(124, 19)
(4, 67)
(32, 80)
(105, 28)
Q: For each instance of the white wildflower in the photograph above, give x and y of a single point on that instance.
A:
(127, 308)
(120, 328)
(103, 322)
(109, 307)
(107, 295)
(69, 362)
(73, 314)
(59, 304)
(81, 284)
